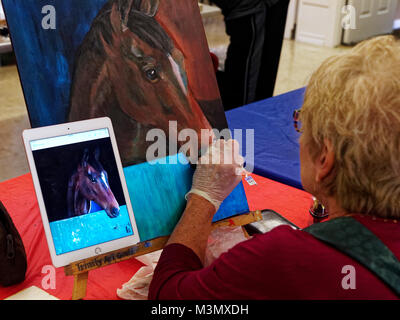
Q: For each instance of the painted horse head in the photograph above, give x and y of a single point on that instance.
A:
(129, 69)
(90, 184)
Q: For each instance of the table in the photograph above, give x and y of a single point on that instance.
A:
(18, 196)
(276, 148)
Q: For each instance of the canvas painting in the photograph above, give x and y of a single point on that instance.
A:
(143, 63)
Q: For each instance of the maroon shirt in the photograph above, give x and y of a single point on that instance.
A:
(281, 264)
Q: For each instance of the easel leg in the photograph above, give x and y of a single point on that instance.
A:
(245, 232)
(80, 283)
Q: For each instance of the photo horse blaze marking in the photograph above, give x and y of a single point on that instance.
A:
(129, 69)
(90, 183)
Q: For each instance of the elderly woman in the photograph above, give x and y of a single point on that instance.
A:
(350, 151)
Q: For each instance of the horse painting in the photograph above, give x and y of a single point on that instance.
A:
(88, 184)
(129, 69)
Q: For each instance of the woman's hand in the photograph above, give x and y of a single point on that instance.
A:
(218, 172)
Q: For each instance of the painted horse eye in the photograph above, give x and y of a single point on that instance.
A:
(91, 178)
(152, 74)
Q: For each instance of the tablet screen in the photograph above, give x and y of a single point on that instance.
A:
(81, 189)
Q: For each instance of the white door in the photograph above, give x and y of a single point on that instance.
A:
(319, 22)
(291, 19)
(372, 18)
(2, 17)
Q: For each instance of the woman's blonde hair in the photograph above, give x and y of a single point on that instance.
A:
(353, 100)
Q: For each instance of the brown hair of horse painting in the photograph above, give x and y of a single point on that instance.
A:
(129, 69)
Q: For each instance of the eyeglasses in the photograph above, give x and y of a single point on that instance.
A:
(296, 121)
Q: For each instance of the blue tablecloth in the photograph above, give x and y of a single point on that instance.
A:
(276, 148)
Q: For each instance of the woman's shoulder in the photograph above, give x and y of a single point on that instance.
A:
(286, 242)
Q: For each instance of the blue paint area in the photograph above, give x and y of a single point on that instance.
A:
(89, 230)
(235, 204)
(46, 57)
(157, 193)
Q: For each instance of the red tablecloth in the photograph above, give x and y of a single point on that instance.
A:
(291, 203)
(18, 196)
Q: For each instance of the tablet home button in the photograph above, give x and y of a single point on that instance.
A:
(97, 250)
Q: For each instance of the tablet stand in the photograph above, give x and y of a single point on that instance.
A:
(80, 269)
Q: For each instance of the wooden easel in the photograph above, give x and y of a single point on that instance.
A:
(80, 269)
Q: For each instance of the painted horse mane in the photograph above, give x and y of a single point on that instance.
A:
(129, 69)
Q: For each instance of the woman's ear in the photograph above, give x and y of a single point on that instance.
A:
(325, 162)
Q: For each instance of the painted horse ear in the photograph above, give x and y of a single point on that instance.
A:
(149, 7)
(85, 158)
(121, 10)
(116, 19)
(97, 154)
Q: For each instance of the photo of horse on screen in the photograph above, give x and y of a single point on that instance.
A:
(89, 186)
(81, 179)
(83, 195)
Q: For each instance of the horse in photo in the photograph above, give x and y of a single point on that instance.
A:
(88, 184)
(129, 69)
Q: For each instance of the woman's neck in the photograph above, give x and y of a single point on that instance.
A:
(334, 209)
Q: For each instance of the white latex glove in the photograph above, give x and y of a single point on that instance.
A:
(218, 172)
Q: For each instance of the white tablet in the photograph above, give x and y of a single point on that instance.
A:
(81, 189)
